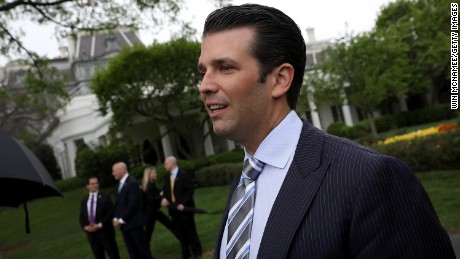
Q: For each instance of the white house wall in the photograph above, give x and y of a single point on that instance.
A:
(79, 120)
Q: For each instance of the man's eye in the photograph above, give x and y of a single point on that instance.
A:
(226, 68)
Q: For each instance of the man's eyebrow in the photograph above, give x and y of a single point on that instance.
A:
(216, 62)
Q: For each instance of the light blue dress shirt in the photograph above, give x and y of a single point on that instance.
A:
(277, 151)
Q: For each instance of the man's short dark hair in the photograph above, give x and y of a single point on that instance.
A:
(89, 178)
(277, 40)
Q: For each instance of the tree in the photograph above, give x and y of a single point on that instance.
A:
(422, 26)
(29, 103)
(160, 83)
(406, 54)
(365, 70)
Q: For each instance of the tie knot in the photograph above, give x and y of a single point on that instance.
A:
(252, 168)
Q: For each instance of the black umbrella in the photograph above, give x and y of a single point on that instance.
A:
(22, 176)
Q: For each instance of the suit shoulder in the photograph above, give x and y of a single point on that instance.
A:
(343, 144)
(352, 151)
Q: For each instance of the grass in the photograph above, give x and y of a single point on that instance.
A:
(56, 232)
(444, 191)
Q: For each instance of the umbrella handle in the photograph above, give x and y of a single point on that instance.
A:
(27, 218)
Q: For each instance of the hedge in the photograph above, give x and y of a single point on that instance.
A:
(218, 175)
(433, 152)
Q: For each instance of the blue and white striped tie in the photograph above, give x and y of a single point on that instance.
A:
(241, 212)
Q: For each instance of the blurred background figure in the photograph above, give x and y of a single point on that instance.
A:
(153, 197)
(96, 212)
(178, 197)
(128, 213)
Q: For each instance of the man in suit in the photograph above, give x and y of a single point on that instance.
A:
(305, 194)
(96, 220)
(128, 214)
(178, 194)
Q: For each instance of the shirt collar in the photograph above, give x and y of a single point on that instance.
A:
(175, 171)
(95, 194)
(123, 179)
(280, 143)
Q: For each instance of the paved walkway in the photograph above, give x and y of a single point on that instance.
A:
(455, 238)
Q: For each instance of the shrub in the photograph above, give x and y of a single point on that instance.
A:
(99, 162)
(218, 175)
(70, 184)
(432, 152)
(338, 128)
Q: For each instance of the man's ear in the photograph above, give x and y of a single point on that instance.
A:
(283, 76)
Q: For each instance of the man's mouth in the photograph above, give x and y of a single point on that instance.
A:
(216, 107)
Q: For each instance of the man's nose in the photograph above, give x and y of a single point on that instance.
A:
(208, 84)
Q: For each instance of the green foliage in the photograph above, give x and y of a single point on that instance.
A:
(98, 162)
(337, 128)
(410, 118)
(218, 175)
(419, 26)
(405, 54)
(70, 184)
(33, 103)
(433, 152)
(72, 16)
(354, 132)
(233, 156)
(157, 82)
(45, 154)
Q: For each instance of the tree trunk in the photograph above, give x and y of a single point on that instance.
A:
(370, 118)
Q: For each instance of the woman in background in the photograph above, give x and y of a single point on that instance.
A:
(153, 197)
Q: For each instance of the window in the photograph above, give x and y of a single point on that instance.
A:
(111, 44)
(79, 144)
(337, 113)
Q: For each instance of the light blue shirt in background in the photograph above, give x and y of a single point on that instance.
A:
(276, 151)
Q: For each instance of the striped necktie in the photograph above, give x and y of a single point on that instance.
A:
(241, 212)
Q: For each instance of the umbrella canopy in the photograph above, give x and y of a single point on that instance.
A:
(22, 176)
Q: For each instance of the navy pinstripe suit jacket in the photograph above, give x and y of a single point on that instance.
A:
(341, 200)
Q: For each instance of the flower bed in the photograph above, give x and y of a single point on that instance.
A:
(419, 133)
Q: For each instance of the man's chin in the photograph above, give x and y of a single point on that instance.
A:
(220, 130)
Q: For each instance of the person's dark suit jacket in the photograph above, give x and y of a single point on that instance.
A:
(183, 188)
(104, 210)
(129, 205)
(152, 198)
(341, 200)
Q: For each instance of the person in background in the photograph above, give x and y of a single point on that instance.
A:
(153, 197)
(302, 193)
(96, 220)
(128, 214)
(178, 197)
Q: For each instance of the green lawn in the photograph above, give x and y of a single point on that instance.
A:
(444, 191)
(56, 232)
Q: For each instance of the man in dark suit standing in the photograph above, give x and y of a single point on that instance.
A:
(178, 194)
(96, 220)
(302, 193)
(128, 215)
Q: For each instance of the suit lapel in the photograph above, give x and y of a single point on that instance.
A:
(98, 206)
(296, 194)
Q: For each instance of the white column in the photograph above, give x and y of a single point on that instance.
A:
(208, 145)
(166, 142)
(314, 115)
(72, 154)
(347, 115)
